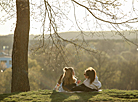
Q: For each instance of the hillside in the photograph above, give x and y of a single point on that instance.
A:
(53, 96)
(88, 35)
(99, 35)
(95, 35)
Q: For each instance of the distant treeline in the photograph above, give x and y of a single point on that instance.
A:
(7, 40)
(116, 63)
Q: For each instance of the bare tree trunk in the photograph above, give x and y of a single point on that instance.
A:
(20, 81)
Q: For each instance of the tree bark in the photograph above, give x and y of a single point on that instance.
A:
(20, 81)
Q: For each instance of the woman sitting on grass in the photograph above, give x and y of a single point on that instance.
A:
(67, 80)
(91, 83)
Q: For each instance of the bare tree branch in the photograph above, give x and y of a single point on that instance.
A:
(133, 20)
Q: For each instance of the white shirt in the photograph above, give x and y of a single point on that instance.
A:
(96, 84)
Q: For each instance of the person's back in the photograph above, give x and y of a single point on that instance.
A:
(67, 81)
(96, 84)
(91, 83)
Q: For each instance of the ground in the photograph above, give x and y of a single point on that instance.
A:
(107, 95)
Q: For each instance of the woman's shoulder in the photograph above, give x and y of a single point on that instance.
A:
(96, 78)
(96, 81)
(74, 78)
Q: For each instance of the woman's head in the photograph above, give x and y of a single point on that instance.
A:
(90, 73)
(68, 71)
(68, 75)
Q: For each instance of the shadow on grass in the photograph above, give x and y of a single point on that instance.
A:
(3, 96)
(83, 96)
(59, 96)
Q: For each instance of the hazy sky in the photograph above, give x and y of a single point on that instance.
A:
(69, 25)
(36, 27)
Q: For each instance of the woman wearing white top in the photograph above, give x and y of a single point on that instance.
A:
(91, 83)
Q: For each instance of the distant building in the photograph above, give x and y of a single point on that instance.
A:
(5, 60)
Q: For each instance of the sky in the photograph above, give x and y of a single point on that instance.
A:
(69, 25)
(8, 27)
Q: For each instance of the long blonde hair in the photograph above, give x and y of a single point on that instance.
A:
(91, 73)
(68, 76)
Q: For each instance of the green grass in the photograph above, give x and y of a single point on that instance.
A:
(53, 96)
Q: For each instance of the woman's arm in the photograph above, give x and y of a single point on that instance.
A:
(60, 79)
(59, 82)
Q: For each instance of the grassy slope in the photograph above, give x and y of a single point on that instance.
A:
(52, 96)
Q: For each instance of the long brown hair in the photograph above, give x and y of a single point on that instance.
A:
(91, 73)
(68, 76)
